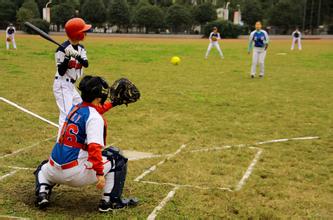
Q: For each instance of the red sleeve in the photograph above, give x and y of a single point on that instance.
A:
(101, 109)
(95, 157)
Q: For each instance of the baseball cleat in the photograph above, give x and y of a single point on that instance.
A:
(117, 204)
(261, 76)
(42, 200)
(252, 76)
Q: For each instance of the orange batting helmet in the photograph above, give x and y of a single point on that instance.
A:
(75, 28)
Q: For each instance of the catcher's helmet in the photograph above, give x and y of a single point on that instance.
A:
(75, 28)
(92, 87)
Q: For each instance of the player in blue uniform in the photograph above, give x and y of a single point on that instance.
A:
(260, 39)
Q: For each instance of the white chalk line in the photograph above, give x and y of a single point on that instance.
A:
(8, 175)
(20, 168)
(249, 170)
(170, 195)
(151, 169)
(257, 143)
(29, 112)
(186, 185)
(26, 148)
(12, 217)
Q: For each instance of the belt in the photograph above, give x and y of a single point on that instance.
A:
(67, 79)
(65, 166)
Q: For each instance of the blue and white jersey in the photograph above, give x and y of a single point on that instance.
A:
(216, 35)
(83, 126)
(259, 38)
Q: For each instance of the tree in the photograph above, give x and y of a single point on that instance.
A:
(204, 13)
(61, 13)
(7, 11)
(94, 11)
(32, 6)
(251, 12)
(119, 13)
(178, 16)
(150, 17)
(286, 15)
(24, 14)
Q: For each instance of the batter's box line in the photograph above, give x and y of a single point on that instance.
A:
(239, 185)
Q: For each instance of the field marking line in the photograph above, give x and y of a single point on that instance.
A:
(151, 169)
(12, 217)
(29, 112)
(160, 206)
(286, 139)
(21, 168)
(249, 170)
(8, 174)
(25, 148)
(257, 143)
(186, 185)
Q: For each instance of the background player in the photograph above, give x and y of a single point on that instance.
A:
(213, 42)
(297, 35)
(76, 159)
(10, 36)
(70, 58)
(260, 39)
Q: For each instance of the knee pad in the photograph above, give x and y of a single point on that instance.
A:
(117, 159)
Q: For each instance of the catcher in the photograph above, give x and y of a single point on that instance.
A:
(79, 156)
(213, 42)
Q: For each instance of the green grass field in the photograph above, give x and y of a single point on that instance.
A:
(200, 103)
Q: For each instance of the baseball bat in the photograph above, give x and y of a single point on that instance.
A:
(41, 33)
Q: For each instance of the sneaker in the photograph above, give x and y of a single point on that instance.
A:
(117, 204)
(42, 200)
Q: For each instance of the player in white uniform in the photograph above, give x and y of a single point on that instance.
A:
(297, 36)
(260, 40)
(71, 57)
(78, 158)
(10, 36)
(213, 42)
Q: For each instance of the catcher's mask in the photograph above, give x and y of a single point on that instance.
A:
(92, 87)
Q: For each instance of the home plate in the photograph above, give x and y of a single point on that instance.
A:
(281, 54)
(137, 155)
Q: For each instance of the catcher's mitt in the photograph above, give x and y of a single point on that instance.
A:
(123, 91)
(214, 39)
(8, 39)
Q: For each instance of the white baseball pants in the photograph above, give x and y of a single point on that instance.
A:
(214, 44)
(77, 176)
(12, 41)
(298, 42)
(258, 56)
(66, 96)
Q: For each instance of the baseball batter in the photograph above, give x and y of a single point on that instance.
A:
(297, 36)
(259, 38)
(10, 36)
(213, 42)
(78, 158)
(71, 57)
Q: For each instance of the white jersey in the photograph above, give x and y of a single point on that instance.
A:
(296, 34)
(213, 34)
(10, 31)
(74, 70)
